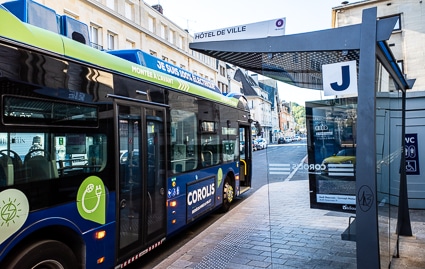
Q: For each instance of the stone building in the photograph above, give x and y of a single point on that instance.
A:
(134, 24)
(406, 43)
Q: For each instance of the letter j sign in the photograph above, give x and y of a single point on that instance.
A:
(340, 78)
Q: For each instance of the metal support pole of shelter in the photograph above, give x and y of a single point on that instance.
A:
(367, 242)
(403, 221)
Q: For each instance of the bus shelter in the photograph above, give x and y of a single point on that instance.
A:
(365, 67)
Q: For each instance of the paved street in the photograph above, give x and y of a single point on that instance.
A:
(275, 228)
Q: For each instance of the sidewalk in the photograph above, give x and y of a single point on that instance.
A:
(286, 234)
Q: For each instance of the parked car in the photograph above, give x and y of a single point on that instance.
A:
(288, 139)
(124, 157)
(242, 146)
(255, 145)
(281, 140)
(262, 143)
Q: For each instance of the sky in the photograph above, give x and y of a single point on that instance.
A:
(301, 16)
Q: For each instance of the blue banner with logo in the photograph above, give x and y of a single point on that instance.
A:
(412, 154)
(166, 67)
(200, 197)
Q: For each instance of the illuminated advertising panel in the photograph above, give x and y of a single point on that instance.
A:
(332, 153)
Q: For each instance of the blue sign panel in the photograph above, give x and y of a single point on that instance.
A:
(411, 154)
(165, 67)
(145, 59)
(200, 197)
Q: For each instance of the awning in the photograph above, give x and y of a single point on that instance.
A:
(297, 59)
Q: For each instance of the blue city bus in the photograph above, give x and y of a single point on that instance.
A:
(103, 159)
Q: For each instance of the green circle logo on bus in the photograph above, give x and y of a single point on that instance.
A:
(219, 177)
(91, 200)
(14, 210)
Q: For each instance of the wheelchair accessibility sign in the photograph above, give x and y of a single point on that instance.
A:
(411, 154)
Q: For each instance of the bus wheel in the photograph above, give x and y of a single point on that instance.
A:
(228, 194)
(48, 254)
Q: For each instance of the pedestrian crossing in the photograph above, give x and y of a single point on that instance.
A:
(279, 169)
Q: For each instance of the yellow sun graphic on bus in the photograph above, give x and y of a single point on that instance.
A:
(9, 211)
(14, 209)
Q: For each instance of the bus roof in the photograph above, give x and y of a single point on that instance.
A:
(13, 29)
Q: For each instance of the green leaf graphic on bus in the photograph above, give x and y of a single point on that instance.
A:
(219, 177)
(91, 200)
(14, 210)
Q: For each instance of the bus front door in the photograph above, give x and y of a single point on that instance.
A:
(141, 201)
(245, 157)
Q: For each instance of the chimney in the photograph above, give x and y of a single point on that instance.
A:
(158, 8)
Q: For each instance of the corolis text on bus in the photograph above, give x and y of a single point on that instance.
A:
(200, 194)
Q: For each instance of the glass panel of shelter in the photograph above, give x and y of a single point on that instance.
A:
(388, 160)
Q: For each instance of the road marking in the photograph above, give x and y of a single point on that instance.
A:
(279, 169)
(296, 169)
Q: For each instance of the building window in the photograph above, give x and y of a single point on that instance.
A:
(129, 10)
(71, 14)
(151, 24)
(164, 58)
(222, 71)
(129, 44)
(162, 31)
(96, 36)
(173, 62)
(112, 39)
(180, 42)
(182, 66)
(171, 36)
(110, 4)
(153, 53)
(397, 26)
(400, 64)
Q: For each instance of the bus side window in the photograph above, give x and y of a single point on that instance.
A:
(210, 150)
(184, 155)
(229, 150)
(38, 163)
(80, 153)
(6, 170)
(179, 158)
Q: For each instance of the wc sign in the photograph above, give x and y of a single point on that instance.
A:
(411, 154)
(340, 78)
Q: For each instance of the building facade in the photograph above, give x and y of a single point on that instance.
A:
(408, 38)
(406, 43)
(133, 24)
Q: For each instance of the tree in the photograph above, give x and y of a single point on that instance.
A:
(298, 112)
